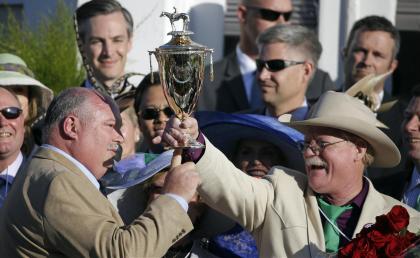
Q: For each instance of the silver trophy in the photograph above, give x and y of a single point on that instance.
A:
(181, 69)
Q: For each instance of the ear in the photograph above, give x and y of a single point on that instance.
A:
(308, 70)
(241, 13)
(394, 65)
(360, 152)
(71, 127)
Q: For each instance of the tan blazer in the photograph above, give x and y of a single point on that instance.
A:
(280, 210)
(55, 211)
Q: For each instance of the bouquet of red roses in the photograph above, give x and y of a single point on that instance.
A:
(388, 237)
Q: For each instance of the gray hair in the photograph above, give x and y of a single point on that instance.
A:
(296, 37)
(69, 101)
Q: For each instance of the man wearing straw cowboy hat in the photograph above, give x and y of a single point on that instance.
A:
(296, 215)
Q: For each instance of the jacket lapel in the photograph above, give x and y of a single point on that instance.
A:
(234, 82)
(373, 206)
(315, 230)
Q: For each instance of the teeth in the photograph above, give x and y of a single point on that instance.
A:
(5, 134)
(413, 140)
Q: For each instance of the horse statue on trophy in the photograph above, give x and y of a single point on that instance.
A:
(173, 17)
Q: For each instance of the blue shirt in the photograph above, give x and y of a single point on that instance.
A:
(413, 189)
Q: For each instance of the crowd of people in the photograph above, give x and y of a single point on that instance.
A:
(292, 165)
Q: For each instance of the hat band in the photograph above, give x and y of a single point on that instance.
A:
(17, 68)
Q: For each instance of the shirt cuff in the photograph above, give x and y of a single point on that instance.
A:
(194, 155)
(180, 200)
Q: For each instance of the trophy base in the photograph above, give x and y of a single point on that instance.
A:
(191, 144)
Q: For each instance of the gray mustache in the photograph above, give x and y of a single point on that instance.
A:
(315, 161)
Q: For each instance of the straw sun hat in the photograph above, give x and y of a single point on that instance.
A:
(341, 111)
(15, 72)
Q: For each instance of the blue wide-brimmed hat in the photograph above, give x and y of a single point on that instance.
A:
(225, 130)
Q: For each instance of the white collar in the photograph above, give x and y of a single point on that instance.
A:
(304, 104)
(79, 165)
(10, 171)
(246, 64)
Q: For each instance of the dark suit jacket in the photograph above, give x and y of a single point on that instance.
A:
(394, 184)
(392, 118)
(227, 92)
(54, 210)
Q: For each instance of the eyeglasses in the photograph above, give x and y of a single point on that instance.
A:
(318, 147)
(270, 15)
(275, 65)
(153, 113)
(11, 112)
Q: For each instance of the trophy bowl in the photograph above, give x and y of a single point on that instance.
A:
(181, 69)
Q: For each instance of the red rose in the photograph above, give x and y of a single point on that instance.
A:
(394, 248)
(398, 218)
(378, 239)
(364, 248)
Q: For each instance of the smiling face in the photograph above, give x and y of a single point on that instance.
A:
(106, 43)
(256, 158)
(337, 170)
(411, 129)
(153, 98)
(11, 130)
(284, 89)
(370, 52)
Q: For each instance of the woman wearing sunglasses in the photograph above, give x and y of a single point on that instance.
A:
(34, 97)
(152, 111)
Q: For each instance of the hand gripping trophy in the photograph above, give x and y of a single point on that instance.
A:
(181, 69)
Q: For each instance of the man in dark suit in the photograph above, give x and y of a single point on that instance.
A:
(372, 48)
(405, 185)
(55, 208)
(288, 58)
(234, 87)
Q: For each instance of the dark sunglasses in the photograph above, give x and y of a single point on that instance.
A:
(275, 65)
(11, 112)
(153, 113)
(270, 15)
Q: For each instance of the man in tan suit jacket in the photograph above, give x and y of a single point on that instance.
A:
(56, 208)
(285, 211)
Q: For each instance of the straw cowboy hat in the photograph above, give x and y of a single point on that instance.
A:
(225, 130)
(15, 72)
(341, 111)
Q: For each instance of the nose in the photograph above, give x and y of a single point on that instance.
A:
(263, 75)
(107, 48)
(162, 118)
(368, 58)
(118, 137)
(412, 124)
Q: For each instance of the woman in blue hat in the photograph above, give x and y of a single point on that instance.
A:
(254, 143)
